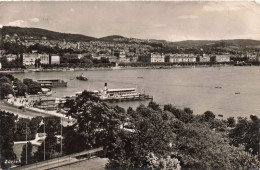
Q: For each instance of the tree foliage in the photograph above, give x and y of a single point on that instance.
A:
(30, 158)
(7, 127)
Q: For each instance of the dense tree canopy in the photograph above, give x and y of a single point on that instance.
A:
(7, 128)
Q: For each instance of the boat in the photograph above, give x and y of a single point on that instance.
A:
(119, 95)
(82, 77)
(237, 92)
(140, 77)
(218, 87)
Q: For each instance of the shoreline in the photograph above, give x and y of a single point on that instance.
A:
(120, 68)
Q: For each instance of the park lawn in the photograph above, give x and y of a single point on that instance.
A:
(19, 147)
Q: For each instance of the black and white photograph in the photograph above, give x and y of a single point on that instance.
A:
(129, 85)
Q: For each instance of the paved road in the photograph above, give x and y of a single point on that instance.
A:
(91, 164)
(26, 113)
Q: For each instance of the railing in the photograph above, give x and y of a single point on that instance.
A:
(56, 162)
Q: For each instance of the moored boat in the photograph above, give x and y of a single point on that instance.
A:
(82, 77)
(119, 95)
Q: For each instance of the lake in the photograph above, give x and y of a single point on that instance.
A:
(182, 87)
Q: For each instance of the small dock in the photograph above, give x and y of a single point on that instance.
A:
(52, 83)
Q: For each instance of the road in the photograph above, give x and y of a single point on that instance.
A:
(26, 113)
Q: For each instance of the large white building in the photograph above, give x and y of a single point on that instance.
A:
(29, 59)
(221, 58)
(54, 59)
(182, 58)
(157, 58)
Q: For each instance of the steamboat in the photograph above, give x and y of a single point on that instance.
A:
(119, 95)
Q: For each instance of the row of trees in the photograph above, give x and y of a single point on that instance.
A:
(162, 137)
(154, 137)
(11, 85)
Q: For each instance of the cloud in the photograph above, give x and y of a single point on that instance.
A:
(34, 20)
(188, 17)
(16, 23)
(218, 7)
(72, 10)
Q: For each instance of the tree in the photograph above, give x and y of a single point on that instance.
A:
(52, 125)
(4, 79)
(51, 148)
(34, 88)
(185, 115)
(149, 133)
(19, 87)
(231, 121)
(199, 147)
(5, 89)
(164, 163)
(246, 132)
(208, 116)
(21, 131)
(96, 123)
(7, 127)
(30, 158)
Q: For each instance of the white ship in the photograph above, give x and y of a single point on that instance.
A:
(117, 95)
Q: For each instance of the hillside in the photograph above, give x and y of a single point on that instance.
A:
(236, 43)
(39, 33)
(111, 38)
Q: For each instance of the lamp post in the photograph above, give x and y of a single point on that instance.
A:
(61, 136)
(26, 145)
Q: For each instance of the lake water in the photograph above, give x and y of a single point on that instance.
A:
(182, 87)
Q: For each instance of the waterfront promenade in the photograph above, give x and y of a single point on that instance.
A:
(12, 106)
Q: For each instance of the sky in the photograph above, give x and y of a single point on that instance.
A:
(171, 21)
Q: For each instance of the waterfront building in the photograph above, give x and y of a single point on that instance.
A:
(29, 59)
(124, 60)
(45, 58)
(54, 59)
(11, 57)
(157, 58)
(203, 58)
(182, 58)
(221, 58)
(112, 59)
(120, 54)
(0, 66)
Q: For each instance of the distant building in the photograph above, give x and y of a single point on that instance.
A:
(134, 59)
(54, 59)
(203, 58)
(157, 58)
(221, 58)
(113, 59)
(120, 54)
(252, 57)
(45, 58)
(258, 58)
(0, 66)
(80, 56)
(124, 60)
(11, 57)
(182, 58)
(29, 59)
